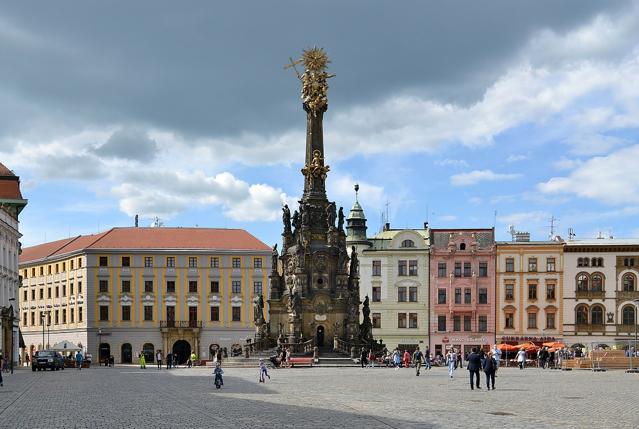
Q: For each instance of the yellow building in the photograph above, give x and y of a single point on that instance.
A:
(129, 290)
(529, 290)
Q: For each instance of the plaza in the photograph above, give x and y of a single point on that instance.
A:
(126, 396)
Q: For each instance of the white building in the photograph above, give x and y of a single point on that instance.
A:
(11, 204)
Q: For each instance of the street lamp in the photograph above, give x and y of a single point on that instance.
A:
(634, 351)
(42, 320)
(99, 346)
(12, 334)
(636, 302)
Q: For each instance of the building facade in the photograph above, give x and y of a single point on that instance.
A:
(129, 290)
(11, 204)
(600, 298)
(529, 291)
(462, 289)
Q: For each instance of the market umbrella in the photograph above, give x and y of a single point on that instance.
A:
(555, 345)
(529, 347)
(65, 346)
(507, 348)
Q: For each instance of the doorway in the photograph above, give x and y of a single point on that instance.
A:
(127, 353)
(319, 338)
(105, 352)
(181, 352)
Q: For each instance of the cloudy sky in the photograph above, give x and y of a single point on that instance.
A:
(441, 111)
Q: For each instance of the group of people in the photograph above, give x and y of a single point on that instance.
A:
(476, 361)
(171, 360)
(282, 358)
(396, 358)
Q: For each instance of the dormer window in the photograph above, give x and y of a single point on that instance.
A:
(408, 243)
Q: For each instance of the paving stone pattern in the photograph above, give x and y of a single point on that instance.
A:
(127, 397)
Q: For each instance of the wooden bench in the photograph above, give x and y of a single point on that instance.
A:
(301, 361)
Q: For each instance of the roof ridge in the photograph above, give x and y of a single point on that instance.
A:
(101, 235)
(63, 246)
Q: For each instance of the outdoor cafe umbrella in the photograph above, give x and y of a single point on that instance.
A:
(529, 347)
(65, 346)
(555, 345)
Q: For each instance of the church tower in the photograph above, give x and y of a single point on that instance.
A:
(356, 222)
(314, 297)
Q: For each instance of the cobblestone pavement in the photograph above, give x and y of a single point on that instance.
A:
(126, 396)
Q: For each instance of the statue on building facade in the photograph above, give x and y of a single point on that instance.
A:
(286, 218)
(340, 219)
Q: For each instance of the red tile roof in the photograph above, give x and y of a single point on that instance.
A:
(9, 184)
(4, 171)
(149, 238)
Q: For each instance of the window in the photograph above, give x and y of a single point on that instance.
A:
(377, 268)
(257, 263)
(441, 269)
(456, 323)
(401, 268)
(64, 267)
(458, 268)
(215, 314)
(581, 315)
(71, 264)
(412, 268)
(104, 313)
(79, 314)
(412, 294)
(401, 320)
(580, 262)
(126, 261)
(597, 262)
(627, 262)
(467, 296)
(126, 286)
(457, 295)
(215, 262)
(41, 293)
(550, 320)
(24, 296)
(628, 282)
(64, 290)
(550, 291)
(79, 263)
(483, 296)
(192, 286)
(407, 243)
(104, 286)
(24, 319)
(33, 318)
(377, 320)
(33, 293)
(148, 286)
(148, 261)
(510, 321)
(104, 261)
(596, 315)
(72, 316)
(215, 287)
(33, 271)
(467, 323)
(462, 246)
(582, 282)
(237, 314)
(483, 269)
(57, 292)
(192, 315)
(56, 316)
(401, 294)
(236, 286)
(597, 282)
(237, 263)
(467, 269)
(257, 288)
(148, 312)
(532, 291)
(170, 314)
(483, 324)
(79, 287)
(510, 265)
(532, 265)
(412, 320)
(64, 314)
(550, 265)
(41, 271)
(532, 320)
(170, 261)
(170, 286)
(192, 262)
(628, 315)
(49, 293)
(377, 293)
(126, 313)
(71, 288)
(441, 296)
(441, 323)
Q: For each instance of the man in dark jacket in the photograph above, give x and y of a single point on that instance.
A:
(489, 367)
(474, 365)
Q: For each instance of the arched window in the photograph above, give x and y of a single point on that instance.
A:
(596, 315)
(149, 352)
(594, 262)
(408, 243)
(462, 246)
(581, 315)
(628, 315)
(582, 282)
(597, 282)
(628, 282)
(580, 262)
(586, 262)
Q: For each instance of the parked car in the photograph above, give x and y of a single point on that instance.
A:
(44, 359)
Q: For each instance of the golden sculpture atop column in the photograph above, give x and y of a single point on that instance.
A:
(314, 79)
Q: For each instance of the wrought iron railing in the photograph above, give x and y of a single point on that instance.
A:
(180, 324)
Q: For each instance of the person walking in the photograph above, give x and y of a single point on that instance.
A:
(142, 360)
(473, 365)
(489, 367)
(192, 359)
(169, 360)
(406, 359)
(521, 358)
(263, 371)
(397, 359)
(362, 357)
(497, 356)
(459, 360)
(451, 361)
(371, 359)
(78, 360)
(417, 360)
(158, 358)
(427, 358)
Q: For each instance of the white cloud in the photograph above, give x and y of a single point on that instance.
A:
(341, 188)
(566, 163)
(452, 163)
(476, 176)
(612, 179)
(516, 158)
(523, 218)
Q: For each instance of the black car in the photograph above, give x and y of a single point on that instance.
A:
(47, 359)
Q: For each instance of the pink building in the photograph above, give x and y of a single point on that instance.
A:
(462, 289)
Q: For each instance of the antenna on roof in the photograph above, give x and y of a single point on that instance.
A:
(552, 220)
(571, 234)
(157, 222)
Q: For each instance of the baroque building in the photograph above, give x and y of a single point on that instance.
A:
(11, 204)
(529, 290)
(462, 289)
(129, 290)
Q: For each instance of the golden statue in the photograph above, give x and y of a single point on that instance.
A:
(314, 79)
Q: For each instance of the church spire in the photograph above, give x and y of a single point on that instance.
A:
(356, 221)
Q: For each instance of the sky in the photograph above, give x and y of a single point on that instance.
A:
(460, 113)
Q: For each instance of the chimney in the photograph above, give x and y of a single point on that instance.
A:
(387, 226)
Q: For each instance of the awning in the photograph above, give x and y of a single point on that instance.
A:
(65, 346)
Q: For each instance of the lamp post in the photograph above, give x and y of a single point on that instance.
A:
(12, 334)
(633, 352)
(99, 346)
(636, 302)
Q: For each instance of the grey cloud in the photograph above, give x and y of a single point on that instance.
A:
(129, 144)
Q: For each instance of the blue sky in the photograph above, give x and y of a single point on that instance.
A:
(447, 112)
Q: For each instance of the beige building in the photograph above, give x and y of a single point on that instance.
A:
(129, 290)
(529, 291)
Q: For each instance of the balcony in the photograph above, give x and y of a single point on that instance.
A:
(180, 324)
(625, 329)
(590, 294)
(590, 328)
(627, 296)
